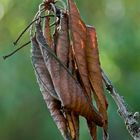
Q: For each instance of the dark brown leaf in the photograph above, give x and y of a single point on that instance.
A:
(47, 89)
(79, 39)
(94, 70)
(47, 31)
(62, 51)
(74, 100)
(63, 42)
(78, 32)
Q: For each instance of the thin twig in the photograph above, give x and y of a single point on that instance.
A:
(6, 56)
(130, 119)
(22, 33)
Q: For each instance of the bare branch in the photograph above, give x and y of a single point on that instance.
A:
(130, 119)
(6, 56)
(22, 33)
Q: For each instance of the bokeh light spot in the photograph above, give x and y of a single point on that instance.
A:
(114, 9)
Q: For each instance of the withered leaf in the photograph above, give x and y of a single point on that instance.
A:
(93, 130)
(63, 42)
(47, 89)
(40, 69)
(73, 124)
(94, 70)
(67, 69)
(79, 39)
(75, 121)
(47, 31)
(74, 100)
(62, 52)
(78, 34)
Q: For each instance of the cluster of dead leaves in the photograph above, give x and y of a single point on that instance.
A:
(67, 69)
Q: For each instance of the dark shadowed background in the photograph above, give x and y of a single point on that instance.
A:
(23, 113)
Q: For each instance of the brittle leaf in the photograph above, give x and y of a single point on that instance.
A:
(74, 100)
(39, 66)
(47, 89)
(47, 31)
(63, 42)
(62, 51)
(94, 70)
(78, 34)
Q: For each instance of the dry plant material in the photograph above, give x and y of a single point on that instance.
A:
(87, 59)
(47, 89)
(67, 88)
(62, 52)
(67, 68)
(47, 31)
(94, 70)
(78, 36)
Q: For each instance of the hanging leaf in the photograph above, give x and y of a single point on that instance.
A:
(73, 100)
(78, 34)
(39, 66)
(62, 51)
(67, 68)
(95, 76)
(47, 89)
(63, 42)
(79, 39)
(47, 31)
(93, 130)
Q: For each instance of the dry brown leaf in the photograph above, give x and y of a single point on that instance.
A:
(75, 120)
(73, 100)
(73, 124)
(67, 73)
(78, 34)
(63, 42)
(74, 117)
(47, 89)
(93, 130)
(47, 31)
(39, 66)
(94, 70)
(70, 124)
(62, 51)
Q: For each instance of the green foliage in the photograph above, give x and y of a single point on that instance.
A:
(23, 113)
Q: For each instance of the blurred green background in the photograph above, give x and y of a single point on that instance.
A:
(23, 113)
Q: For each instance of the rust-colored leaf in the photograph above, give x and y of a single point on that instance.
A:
(74, 100)
(93, 130)
(62, 52)
(47, 31)
(78, 34)
(63, 42)
(73, 124)
(75, 120)
(39, 67)
(47, 89)
(94, 70)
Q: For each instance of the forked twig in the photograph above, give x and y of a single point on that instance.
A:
(130, 119)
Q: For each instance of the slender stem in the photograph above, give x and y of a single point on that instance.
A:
(130, 119)
(6, 56)
(22, 33)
